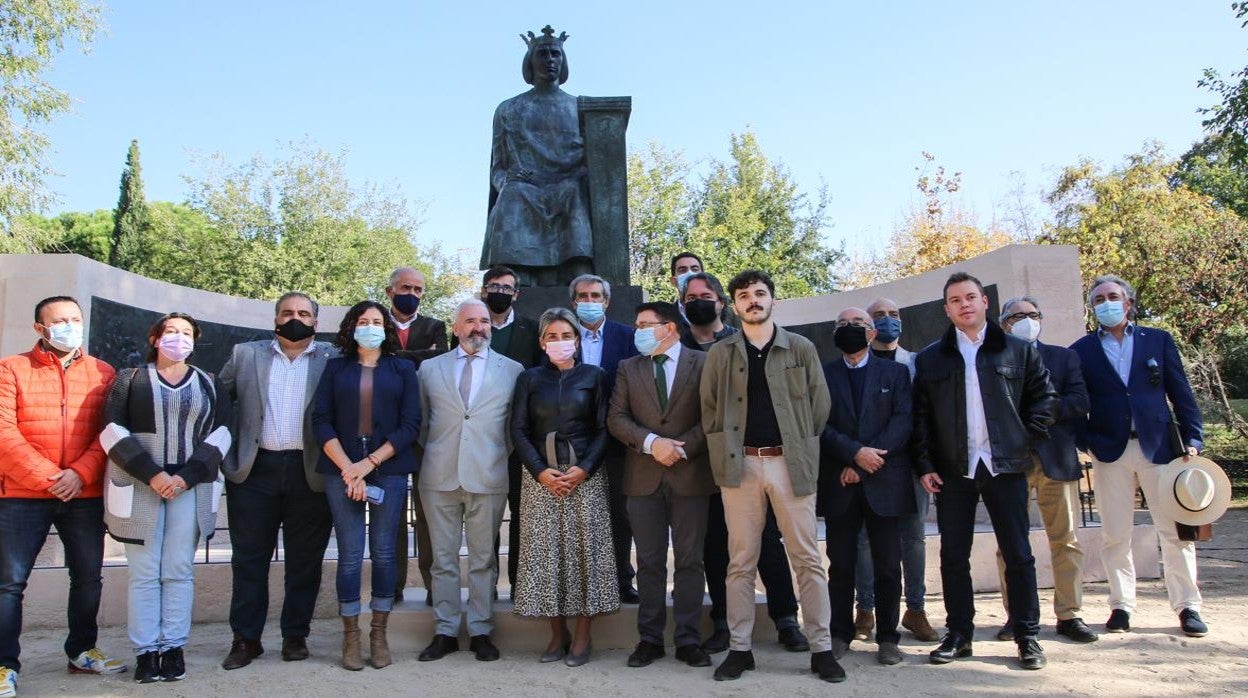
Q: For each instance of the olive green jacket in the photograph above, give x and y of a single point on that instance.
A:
(799, 395)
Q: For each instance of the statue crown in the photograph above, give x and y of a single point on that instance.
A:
(547, 37)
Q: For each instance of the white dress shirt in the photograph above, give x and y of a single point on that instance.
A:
(403, 325)
(861, 362)
(511, 317)
(282, 428)
(478, 370)
(591, 344)
(669, 371)
(978, 444)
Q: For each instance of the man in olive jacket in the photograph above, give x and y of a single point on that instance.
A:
(764, 404)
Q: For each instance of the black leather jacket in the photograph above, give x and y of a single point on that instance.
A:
(572, 403)
(1018, 401)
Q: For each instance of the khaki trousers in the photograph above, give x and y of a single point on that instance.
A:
(766, 479)
(1058, 502)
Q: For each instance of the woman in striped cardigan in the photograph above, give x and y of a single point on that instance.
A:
(165, 438)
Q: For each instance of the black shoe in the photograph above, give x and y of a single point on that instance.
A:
(172, 665)
(951, 648)
(1119, 621)
(645, 653)
(1076, 630)
(629, 595)
(294, 649)
(693, 655)
(735, 664)
(441, 646)
(1191, 623)
(429, 598)
(483, 648)
(147, 668)
(1006, 632)
(826, 666)
(793, 640)
(717, 642)
(1030, 655)
(241, 653)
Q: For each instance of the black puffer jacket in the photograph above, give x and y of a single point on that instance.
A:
(572, 403)
(1018, 403)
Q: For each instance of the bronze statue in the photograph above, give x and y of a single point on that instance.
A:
(539, 211)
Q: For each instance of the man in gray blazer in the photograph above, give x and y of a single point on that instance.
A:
(656, 412)
(465, 396)
(271, 482)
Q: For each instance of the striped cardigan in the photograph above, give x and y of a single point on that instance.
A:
(143, 435)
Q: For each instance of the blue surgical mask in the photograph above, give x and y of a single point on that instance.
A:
(1109, 313)
(682, 280)
(370, 336)
(65, 336)
(887, 329)
(590, 313)
(645, 341)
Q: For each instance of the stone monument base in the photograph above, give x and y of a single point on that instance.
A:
(535, 300)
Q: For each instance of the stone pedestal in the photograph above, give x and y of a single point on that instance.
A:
(534, 300)
(603, 123)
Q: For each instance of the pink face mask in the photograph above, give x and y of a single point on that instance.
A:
(175, 347)
(560, 352)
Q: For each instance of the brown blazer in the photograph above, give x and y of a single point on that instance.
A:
(635, 413)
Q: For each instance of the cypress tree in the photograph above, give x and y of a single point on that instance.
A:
(130, 216)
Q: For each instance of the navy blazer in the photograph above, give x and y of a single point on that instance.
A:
(1115, 406)
(884, 422)
(396, 412)
(617, 345)
(1057, 454)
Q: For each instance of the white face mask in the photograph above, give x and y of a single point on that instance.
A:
(65, 336)
(1027, 329)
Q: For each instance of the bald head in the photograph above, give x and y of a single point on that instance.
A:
(851, 316)
(883, 307)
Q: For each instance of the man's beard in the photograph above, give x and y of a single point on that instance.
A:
(476, 342)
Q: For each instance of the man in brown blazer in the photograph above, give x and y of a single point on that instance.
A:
(656, 413)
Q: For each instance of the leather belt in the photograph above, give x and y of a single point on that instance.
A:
(764, 451)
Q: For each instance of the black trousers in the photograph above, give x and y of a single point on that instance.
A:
(884, 532)
(773, 568)
(621, 529)
(1005, 498)
(515, 474)
(276, 496)
(658, 517)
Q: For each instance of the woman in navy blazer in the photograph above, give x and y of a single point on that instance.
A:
(372, 462)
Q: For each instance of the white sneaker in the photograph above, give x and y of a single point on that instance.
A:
(93, 661)
(8, 682)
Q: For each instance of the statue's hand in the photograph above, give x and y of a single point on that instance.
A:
(520, 175)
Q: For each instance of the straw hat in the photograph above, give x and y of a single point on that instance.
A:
(1192, 492)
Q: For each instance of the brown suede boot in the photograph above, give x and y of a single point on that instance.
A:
(864, 622)
(351, 658)
(916, 622)
(378, 648)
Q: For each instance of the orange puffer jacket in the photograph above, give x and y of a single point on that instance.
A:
(50, 420)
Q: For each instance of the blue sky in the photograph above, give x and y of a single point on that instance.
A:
(847, 95)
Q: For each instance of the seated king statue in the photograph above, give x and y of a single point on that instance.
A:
(539, 220)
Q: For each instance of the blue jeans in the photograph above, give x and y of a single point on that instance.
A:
(24, 527)
(162, 578)
(383, 526)
(913, 557)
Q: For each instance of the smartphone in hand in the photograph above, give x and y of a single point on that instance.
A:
(374, 494)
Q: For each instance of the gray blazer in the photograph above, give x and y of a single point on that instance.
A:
(466, 447)
(635, 414)
(245, 381)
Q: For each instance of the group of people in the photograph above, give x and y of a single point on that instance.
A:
(704, 429)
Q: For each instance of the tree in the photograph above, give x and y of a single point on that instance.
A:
(938, 233)
(130, 217)
(659, 212)
(1186, 255)
(749, 214)
(32, 33)
(87, 234)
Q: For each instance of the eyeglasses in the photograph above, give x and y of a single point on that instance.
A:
(646, 325)
(1034, 315)
(855, 323)
(500, 288)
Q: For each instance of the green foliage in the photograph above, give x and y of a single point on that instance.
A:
(32, 33)
(1187, 256)
(87, 234)
(659, 204)
(130, 219)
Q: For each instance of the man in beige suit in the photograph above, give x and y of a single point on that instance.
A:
(465, 397)
(656, 413)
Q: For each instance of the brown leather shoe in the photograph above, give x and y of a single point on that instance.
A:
(294, 649)
(916, 622)
(241, 653)
(864, 623)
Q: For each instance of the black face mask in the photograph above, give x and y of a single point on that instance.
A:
(498, 303)
(850, 339)
(700, 311)
(295, 330)
(406, 303)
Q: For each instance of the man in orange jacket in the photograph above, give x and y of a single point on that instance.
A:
(52, 473)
